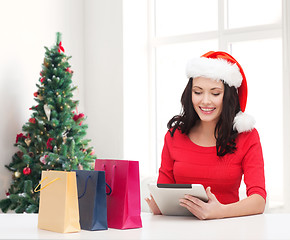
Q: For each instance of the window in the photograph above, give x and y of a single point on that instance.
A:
(252, 31)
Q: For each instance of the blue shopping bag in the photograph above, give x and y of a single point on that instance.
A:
(92, 196)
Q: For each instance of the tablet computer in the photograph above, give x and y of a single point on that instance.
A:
(167, 197)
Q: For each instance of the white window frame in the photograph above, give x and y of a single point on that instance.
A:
(225, 37)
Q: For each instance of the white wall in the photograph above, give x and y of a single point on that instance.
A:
(136, 85)
(25, 28)
(104, 76)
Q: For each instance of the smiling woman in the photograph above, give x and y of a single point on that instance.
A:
(214, 143)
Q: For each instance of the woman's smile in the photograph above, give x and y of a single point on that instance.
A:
(207, 110)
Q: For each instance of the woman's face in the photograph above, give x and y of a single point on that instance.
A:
(207, 98)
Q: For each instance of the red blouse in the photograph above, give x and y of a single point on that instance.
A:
(185, 162)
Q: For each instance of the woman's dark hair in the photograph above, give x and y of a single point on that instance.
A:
(224, 133)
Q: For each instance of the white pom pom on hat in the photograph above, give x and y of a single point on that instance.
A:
(243, 122)
(222, 66)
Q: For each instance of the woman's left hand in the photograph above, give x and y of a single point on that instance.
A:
(211, 210)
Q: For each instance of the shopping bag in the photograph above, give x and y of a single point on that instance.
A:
(92, 199)
(123, 204)
(58, 204)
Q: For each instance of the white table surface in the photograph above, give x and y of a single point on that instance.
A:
(265, 226)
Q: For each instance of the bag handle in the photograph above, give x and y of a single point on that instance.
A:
(112, 178)
(37, 190)
(109, 193)
(85, 187)
(86, 184)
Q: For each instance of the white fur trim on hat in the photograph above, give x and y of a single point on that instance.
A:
(214, 68)
(243, 122)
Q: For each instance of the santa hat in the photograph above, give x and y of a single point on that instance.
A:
(222, 66)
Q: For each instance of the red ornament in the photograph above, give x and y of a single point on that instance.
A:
(93, 152)
(7, 194)
(42, 80)
(20, 135)
(26, 171)
(32, 120)
(48, 143)
(35, 94)
(69, 70)
(77, 117)
(60, 47)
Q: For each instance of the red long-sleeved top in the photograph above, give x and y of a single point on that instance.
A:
(185, 162)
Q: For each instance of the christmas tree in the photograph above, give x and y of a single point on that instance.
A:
(53, 138)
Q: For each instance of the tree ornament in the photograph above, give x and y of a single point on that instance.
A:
(26, 170)
(32, 120)
(48, 143)
(61, 108)
(93, 152)
(31, 154)
(45, 63)
(19, 136)
(40, 97)
(64, 136)
(20, 154)
(47, 111)
(60, 47)
(35, 94)
(7, 194)
(42, 79)
(43, 159)
(17, 174)
(69, 71)
(27, 141)
(80, 167)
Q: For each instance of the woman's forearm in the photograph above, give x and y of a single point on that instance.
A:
(254, 204)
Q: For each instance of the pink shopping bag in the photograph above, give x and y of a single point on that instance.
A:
(123, 204)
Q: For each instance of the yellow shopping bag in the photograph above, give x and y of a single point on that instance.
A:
(58, 204)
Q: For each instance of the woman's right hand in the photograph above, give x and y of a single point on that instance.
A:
(153, 206)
